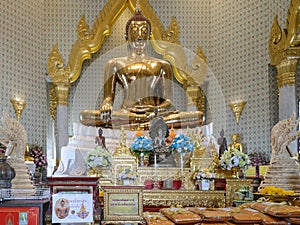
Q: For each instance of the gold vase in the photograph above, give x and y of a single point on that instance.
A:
(235, 172)
(95, 171)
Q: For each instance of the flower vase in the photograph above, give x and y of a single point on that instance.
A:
(235, 173)
(142, 162)
(98, 171)
(37, 177)
(127, 182)
(205, 184)
(95, 171)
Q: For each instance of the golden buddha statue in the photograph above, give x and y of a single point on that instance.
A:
(147, 86)
(235, 142)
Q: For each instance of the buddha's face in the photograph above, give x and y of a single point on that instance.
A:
(234, 137)
(139, 33)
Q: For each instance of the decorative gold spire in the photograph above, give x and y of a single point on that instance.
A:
(83, 30)
(276, 43)
(137, 6)
(19, 105)
(237, 109)
(285, 44)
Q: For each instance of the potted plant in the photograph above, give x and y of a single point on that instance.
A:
(39, 158)
(40, 162)
(257, 159)
(127, 176)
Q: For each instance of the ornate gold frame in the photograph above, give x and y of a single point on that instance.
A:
(132, 191)
(165, 42)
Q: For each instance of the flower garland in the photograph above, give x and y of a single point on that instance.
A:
(142, 144)
(204, 173)
(100, 157)
(127, 174)
(39, 158)
(182, 144)
(234, 158)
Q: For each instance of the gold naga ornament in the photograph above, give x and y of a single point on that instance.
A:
(284, 46)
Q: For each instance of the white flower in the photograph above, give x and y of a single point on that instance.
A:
(234, 158)
(98, 157)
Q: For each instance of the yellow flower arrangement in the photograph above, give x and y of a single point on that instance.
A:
(204, 173)
(271, 190)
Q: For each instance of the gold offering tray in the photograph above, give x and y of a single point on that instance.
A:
(277, 197)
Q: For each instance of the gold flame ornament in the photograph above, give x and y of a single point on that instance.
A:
(237, 109)
(19, 105)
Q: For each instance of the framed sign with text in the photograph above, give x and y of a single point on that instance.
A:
(72, 208)
(123, 203)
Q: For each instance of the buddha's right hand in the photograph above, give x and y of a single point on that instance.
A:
(105, 111)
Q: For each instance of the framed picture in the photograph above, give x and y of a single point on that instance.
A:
(20, 215)
(123, 203)
(72, 207)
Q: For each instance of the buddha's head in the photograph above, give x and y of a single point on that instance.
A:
(138, 31)
(235, 137)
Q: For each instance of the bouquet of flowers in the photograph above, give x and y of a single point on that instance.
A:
(234, 158)
(100, 157)
(182, 144)
(257, 159)
(127, 174)
(142, 144)
(39, 158)
(204, 173)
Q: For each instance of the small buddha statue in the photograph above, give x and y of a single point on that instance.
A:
(158, 133)
(222, 143)
(235, 142)
(122, 149)
(146, 83)
(100, 139)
